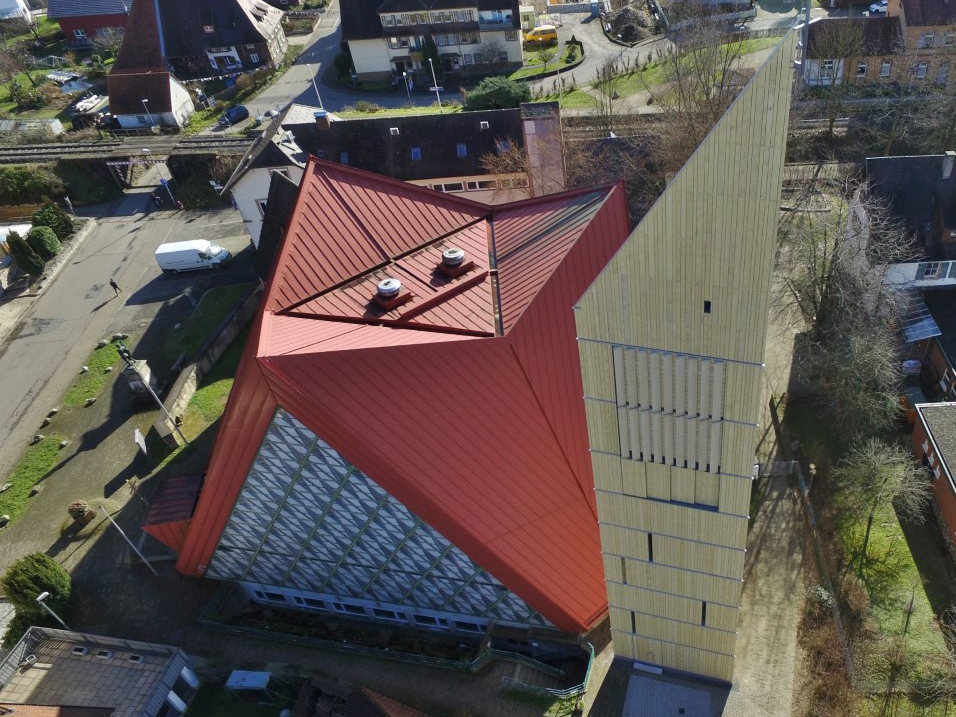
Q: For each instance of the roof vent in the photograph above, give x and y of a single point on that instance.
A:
(483, 125)
(104, 654)
(452, 256)
(393, 131)
(135, 658)
(389, 294)
(453, 262)
(389, 288)
(79, 650)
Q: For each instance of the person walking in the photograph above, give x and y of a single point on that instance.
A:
(115, 287)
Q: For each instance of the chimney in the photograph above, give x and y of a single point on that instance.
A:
(453, 263)
(948, 161)
(322, 121)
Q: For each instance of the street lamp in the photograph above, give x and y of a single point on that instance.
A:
(145, 103)
(41, 599)
(131, 364)
(435, 85)
(407, 91)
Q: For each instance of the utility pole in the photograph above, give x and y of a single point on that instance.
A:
(126, 538)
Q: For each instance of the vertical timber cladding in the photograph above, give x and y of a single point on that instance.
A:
(671, 338)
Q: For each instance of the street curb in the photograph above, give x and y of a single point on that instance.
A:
(61, 261)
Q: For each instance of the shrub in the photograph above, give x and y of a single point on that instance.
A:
(44, 242)
(366, 106)
(78, 509)
(51, 215)
(16, 629)
(244, 82)
(27, 260)
(496, 93)
(34, 574)
(22, 183)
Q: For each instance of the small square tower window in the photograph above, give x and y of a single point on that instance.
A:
(706, 307)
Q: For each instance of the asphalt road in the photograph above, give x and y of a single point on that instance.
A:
(40, 360)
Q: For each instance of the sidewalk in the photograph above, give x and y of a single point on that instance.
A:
(12, 310)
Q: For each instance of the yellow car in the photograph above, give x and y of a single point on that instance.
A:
(542, 34)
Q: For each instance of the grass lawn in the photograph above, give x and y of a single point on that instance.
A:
(575, 98)
(892, 579)
(44, 25)
(209, 401)
(36, 461)
(89, 384)
(215, 701)
(536, 68)
(212, 309)
(401, 111)
(756, 44)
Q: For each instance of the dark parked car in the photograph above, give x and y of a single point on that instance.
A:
(233, 115)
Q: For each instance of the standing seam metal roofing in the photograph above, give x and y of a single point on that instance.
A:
(483, 438)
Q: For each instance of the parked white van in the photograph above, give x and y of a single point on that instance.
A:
(180, 256)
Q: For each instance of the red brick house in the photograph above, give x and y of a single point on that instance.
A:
(934, 442)
(81, 20)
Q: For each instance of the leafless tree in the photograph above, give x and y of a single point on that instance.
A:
(837, 46)
(607, 83)
(700, 82)
(834, 251)
(489, 52)
(512, 168)
(17, 28)
(108, 40)
(876, 475)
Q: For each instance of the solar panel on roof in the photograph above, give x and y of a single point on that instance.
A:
(918, 322)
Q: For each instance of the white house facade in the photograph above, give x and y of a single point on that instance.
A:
(388, 40)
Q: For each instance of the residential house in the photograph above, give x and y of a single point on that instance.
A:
(81, 20)
(142, 90)
(208, 37)
(880, 44)
(425, 430)
(913, 45)
(440, 151)
(934, 442)
(15, 10)
(929, 30)
(386, 38)
(80, 675)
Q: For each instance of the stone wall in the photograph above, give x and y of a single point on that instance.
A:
(183, 389)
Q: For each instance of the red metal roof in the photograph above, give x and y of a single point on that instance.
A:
(465, 402)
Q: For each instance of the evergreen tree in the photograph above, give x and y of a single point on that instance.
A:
(51, 215)
(44, 242)
(430, 51)
(23, 255)
(34, 574)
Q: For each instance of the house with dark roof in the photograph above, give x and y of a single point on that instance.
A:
(61, 673)
(81, 20)
(142, 90)
(921, 191)
(443, 152)
(208, 37)
(854, 50)
(386, 38)
(934, 443)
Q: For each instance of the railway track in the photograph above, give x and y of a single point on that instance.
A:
(113, 149)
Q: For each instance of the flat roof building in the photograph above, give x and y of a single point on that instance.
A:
(79, 673)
